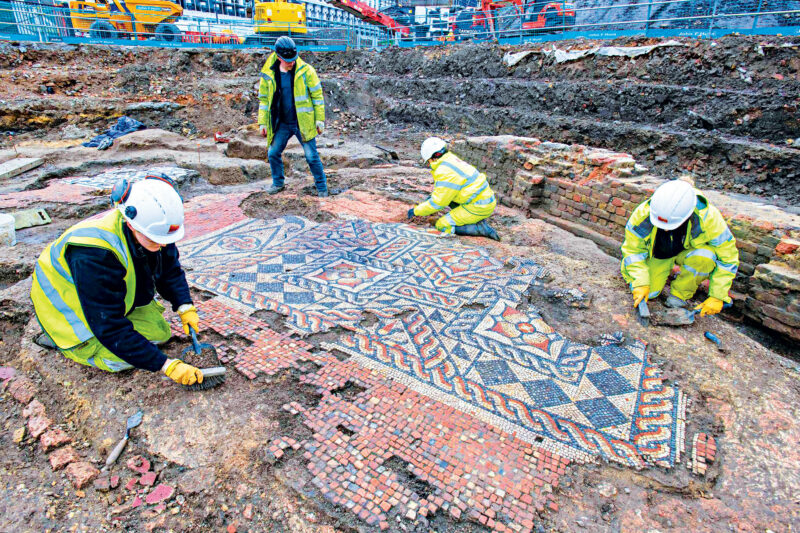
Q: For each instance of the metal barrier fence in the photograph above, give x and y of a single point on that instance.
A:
(531, 21)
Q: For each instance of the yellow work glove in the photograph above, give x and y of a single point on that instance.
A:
(711, 306)
(180, 372)
(189, 317)
(639, 294)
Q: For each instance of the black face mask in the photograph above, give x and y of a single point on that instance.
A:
(669, 243)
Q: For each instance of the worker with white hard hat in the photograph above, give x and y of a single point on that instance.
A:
(460, 186)
(679, 225)
(94, 287)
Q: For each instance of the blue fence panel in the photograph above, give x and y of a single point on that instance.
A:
(41, 20)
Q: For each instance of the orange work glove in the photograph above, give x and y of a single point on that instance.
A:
(639, 294)
(711, 306)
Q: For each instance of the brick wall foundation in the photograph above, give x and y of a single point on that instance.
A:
(592, 192)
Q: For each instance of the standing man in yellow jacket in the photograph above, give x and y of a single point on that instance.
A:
(291, 104)
(93, 288)
(462, 187)
(679, 225)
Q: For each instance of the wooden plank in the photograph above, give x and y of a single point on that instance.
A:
(15, 167)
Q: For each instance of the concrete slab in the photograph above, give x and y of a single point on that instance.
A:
(17, 166)
(30, 217)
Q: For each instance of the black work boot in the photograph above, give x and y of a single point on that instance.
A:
(44, 340)
(487, 231)
(275, 189)
(470, 230)
(323, 194)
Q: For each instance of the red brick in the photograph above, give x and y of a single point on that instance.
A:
(35, 408)
(38, 425)
(22, 389)
(139, 464)
(787, 247)
(54, 438)
(148, 479)
(81, 473)
(161, 493)
(62, 457)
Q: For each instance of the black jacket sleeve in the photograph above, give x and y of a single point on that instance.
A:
(100, 282)
(171, 284)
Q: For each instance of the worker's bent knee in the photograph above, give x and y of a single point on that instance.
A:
(93, 353)
(698, 265)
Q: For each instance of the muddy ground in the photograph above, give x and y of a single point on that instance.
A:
(211, 445)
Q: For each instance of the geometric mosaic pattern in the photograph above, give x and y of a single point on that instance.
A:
(106, 180)
(505, 366)
(326, 275)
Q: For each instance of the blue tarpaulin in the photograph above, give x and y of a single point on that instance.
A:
(124, 126)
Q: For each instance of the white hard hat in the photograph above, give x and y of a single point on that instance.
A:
(671, 204)
(153, 207)
(430, 146)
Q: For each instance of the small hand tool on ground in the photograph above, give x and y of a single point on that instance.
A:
(644, 313)
(716, 340)
(133, 421)
(391, 153)
(681, 316)
(212, 376)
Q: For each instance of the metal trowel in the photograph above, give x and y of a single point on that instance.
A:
(680, 316)
(133, 421)
(644, 313)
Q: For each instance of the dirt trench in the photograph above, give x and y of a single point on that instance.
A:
(725, 110)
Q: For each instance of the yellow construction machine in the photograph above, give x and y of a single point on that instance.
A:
(126, 19)
(274, 19)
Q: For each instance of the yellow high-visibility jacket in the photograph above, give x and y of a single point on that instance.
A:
(457, 181)
(54, 295)
(706, 228)
(308, 99)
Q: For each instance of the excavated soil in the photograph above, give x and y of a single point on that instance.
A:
(268, 207)
(725, 110)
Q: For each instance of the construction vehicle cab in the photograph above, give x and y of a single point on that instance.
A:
(275, 19)
(544, 14)
(513, 18)
(126, 19)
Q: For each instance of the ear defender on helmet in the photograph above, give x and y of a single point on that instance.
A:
(120, 192)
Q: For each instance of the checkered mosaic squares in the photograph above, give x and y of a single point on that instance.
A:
(504, 365)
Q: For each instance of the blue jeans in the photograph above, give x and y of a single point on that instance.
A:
(282, 136)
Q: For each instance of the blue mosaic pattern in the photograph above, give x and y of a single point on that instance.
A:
(506, 366)
(106, 180)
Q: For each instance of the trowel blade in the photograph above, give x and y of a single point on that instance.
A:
(676, 317)
(134, 420)
(643, 313)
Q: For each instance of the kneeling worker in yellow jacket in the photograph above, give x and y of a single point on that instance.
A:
(93, 288)
(679, 225)
(460, 186)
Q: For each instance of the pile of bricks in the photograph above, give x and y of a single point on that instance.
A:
(704, 450)
(51, 439)
(592, 192)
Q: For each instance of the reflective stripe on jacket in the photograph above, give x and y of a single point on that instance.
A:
(54, 295)
(457, 181)
(308, 99)
(706, 227)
